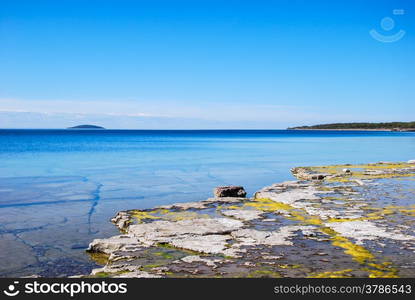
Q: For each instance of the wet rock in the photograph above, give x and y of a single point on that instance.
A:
(210, 244)
(289, 197)
(122, 271)
(243, 214)
(158, 230)
(121, 220)
(359, 182)
(306, 174)
(202, 204)
(229, 191)
(115, 269)
(196, 258)
(272, 257)
(115, 243)
(185, 205)
(365, 230)
(252, 237)
(137, 274)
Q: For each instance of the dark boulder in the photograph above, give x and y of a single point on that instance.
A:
(229, 191)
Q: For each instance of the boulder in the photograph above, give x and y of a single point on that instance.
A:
(229, 191)
(317, 176)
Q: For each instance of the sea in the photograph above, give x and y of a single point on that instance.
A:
(60, 188)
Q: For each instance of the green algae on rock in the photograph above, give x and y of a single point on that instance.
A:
(334, 221)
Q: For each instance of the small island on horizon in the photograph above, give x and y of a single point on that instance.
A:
(86, 126)
(383, 126)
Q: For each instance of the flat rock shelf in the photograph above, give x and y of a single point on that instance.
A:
(334, 221)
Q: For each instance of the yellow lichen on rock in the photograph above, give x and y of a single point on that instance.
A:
(268, 205)
(332, 274)
(358, 253)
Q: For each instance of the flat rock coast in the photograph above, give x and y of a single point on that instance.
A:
(333, 221)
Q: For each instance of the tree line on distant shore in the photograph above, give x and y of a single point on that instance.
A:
(386, 125)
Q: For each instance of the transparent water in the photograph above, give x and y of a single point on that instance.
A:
(59, 188)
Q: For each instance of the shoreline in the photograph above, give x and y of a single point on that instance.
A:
(328, 208)
(354, 129)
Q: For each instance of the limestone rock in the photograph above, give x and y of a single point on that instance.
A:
(305, 174)
(243, 214)
(196, 258)
(159, 229)
(365, 230)
(210, 244)
(121, 220)
(115, 243)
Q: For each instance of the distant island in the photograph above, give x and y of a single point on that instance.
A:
(388, 126)
(86, 127)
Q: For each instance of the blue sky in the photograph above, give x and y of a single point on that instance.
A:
(203, 64)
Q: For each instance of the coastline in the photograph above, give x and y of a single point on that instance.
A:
(324, 224)
(355, 129)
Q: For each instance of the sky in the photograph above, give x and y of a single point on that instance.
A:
(205, 64)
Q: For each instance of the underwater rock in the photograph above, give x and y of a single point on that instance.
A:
(229, 191)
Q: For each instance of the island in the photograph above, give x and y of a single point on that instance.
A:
(384, 126)
(86, 126)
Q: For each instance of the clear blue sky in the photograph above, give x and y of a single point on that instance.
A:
(204, 64)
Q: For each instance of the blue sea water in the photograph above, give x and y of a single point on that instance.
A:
(59, 188)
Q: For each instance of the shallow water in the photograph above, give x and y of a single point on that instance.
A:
(59, 188)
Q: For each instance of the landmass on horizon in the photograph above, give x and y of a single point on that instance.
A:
(389, 126)
(86, 126)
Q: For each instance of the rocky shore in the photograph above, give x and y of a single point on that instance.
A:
(333, 221)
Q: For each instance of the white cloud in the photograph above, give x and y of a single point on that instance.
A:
(17, 113)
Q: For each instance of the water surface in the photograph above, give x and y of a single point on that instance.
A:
(59, 188)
